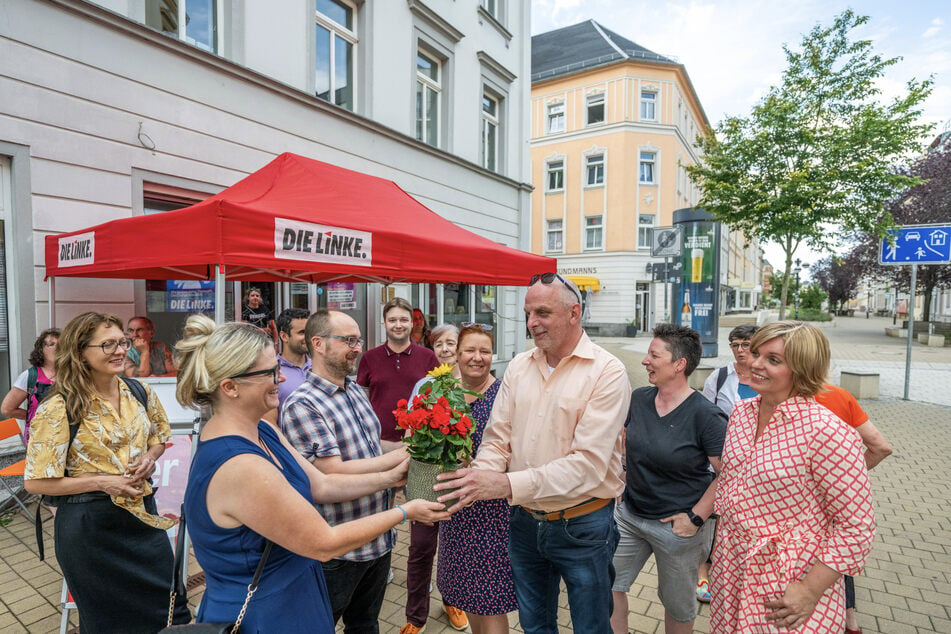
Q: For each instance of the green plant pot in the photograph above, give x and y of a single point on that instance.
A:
(420, 481)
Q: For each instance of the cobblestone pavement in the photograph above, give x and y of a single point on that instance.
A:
(906, 587)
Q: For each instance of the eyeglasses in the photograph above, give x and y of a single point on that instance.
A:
(275, 373)
(548, 278)
(109, 347)
(50, 344)
(740, 345)
(352, 342)
(473, 324)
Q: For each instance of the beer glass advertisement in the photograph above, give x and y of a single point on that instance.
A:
(698, 290)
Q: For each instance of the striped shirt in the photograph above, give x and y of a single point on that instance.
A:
(322, 419)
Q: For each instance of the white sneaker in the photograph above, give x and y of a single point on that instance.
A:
(389, 576)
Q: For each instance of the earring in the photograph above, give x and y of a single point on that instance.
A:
(235, 395)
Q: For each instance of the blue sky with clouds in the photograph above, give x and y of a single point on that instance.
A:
(732, 49)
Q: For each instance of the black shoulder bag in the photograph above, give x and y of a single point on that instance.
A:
(178, 586)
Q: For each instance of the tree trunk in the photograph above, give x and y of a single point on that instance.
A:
(785, 294)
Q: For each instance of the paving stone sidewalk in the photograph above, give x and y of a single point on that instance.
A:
(906, 587)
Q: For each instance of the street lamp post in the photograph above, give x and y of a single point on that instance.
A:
(796, 300)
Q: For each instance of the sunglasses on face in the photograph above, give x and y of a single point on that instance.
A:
(275, 373)
(548, 278)
(473, 324)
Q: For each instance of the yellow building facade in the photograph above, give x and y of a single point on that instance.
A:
(613, 125)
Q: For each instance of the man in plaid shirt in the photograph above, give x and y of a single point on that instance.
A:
(330, 422)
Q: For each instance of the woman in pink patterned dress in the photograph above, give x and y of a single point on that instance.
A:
(793, 498)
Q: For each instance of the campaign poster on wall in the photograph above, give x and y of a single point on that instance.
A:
(189, 296)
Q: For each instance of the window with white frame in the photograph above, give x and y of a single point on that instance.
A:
(595, 108)
(428, 97)
(490, 131)
(645, 223)
(594, 169)
(192, 21)
(336, 41)
(556, 118)
(556, 175)
(593, 232)
(648, 105)
(492, 7)
(646, 170)
(556, 236)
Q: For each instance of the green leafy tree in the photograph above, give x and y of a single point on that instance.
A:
(811, 297)
(776, 288)
(817, 151)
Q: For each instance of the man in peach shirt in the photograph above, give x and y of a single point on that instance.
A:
(553, 450)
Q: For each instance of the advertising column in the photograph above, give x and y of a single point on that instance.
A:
(698, 294)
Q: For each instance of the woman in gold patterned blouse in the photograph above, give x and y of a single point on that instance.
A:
(110, 542)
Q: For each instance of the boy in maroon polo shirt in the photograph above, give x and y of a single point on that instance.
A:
(389, 372)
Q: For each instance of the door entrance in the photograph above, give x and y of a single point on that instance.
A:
(642, 303)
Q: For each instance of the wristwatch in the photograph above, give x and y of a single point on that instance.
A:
(695, 519)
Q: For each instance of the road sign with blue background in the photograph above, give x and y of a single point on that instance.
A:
(916, 245)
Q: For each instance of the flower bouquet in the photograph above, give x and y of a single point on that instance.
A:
(438, 431)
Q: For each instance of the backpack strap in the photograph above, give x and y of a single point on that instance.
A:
(721, 378)
(137, 391)
(33, 375)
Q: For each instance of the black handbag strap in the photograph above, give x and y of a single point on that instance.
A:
(178, 584)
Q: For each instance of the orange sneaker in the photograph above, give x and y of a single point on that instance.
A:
(409, 628)
(457, 618)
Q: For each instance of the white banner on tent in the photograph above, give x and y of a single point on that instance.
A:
(77, 250)
(296, 240)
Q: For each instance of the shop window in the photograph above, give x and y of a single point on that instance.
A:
(169, 302)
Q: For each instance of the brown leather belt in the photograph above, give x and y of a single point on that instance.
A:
(584, 508)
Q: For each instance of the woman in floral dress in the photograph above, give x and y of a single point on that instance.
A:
(473, 571)
(793, 498)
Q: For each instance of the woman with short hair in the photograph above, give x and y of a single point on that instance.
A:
(673, 435)
(793, 498)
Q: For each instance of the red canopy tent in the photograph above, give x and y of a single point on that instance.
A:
(295, 219)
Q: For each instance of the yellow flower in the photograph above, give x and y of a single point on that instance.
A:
(445, 368)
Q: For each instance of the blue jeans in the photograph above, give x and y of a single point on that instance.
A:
(580, 551)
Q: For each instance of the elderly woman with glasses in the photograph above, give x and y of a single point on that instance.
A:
(95, 444)
(249, 486)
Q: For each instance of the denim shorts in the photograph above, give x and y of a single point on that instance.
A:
(677, 560)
